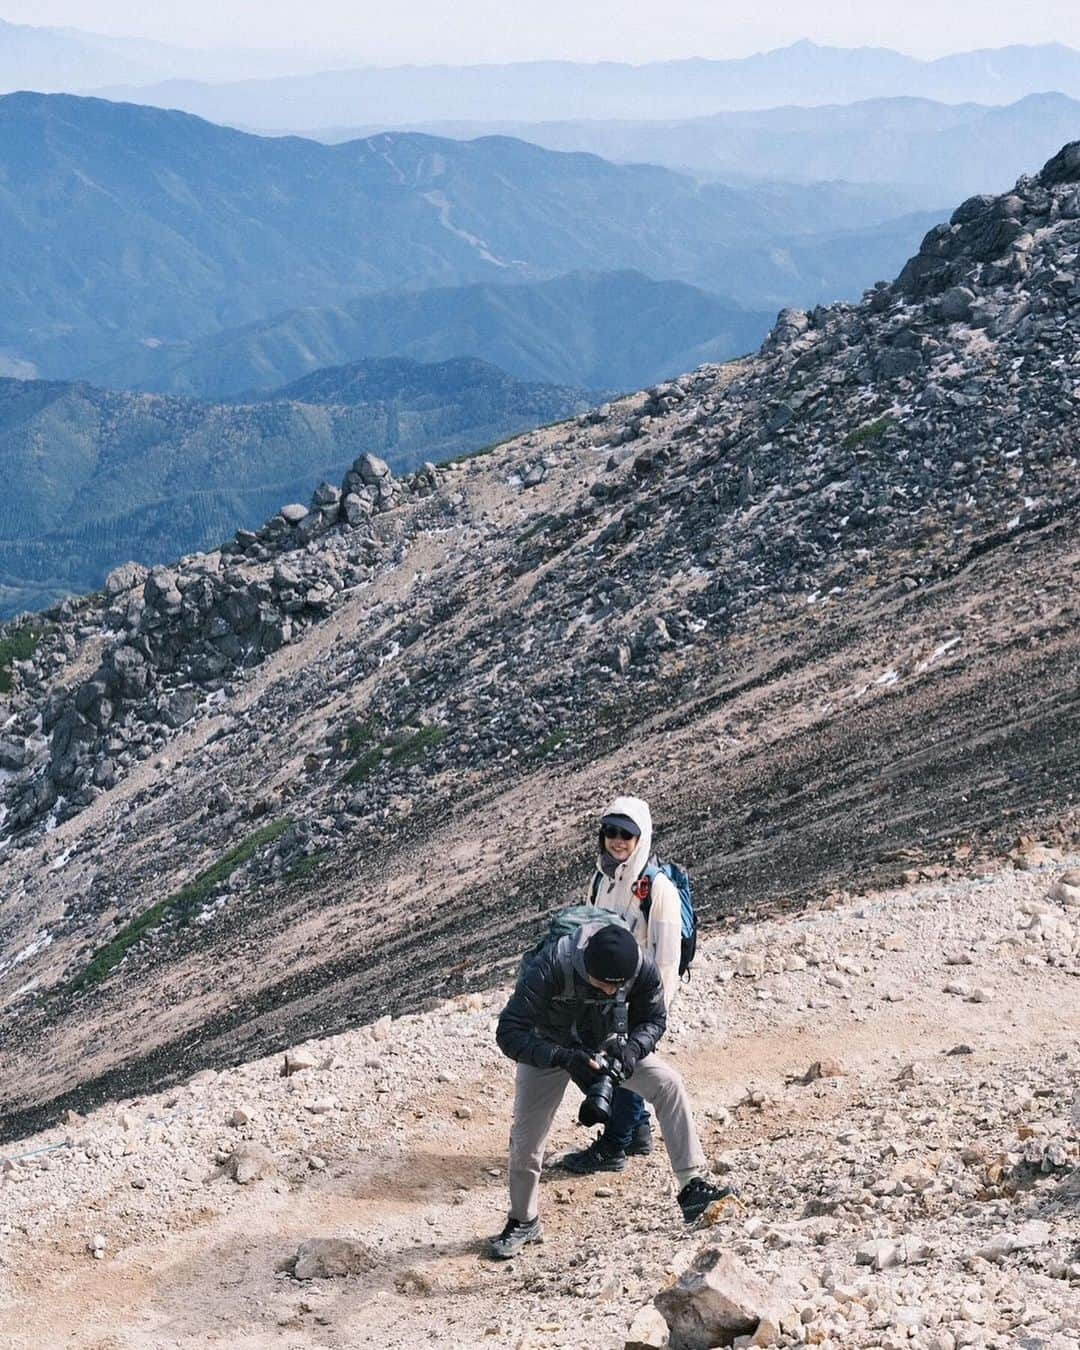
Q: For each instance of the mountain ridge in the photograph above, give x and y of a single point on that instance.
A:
(939, 151)
(176, 227)
(604, 330)
(803, 72)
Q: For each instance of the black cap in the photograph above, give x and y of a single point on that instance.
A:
(611, 954)
(622, 823)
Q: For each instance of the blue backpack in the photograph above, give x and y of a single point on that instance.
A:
(680, 879)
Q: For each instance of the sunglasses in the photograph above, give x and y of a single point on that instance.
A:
(613, 832)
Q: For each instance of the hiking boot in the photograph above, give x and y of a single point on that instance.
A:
(598, 1157)
(641, 1141)
(513, 1237)
(697, 1195)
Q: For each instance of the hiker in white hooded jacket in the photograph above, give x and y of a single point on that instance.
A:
(625, 850)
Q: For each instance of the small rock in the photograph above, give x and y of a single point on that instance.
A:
(822, 1068)
(296, 1061)
(329, 1258)
(250, 1162)
(648, 1331)
(751, 965)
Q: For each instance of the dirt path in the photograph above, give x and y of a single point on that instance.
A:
(410, 1157)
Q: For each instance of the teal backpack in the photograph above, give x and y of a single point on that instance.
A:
(565, 922)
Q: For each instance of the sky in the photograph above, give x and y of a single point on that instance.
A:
(461, 31)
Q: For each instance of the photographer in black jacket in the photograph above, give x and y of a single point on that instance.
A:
(564, 1015)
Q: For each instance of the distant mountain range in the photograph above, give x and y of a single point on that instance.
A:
(603, 330)
(65, 60)
(803, 73)
(93, 477)
(125, 225)
(931, 148)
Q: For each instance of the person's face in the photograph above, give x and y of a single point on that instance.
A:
(619, 843)
(609, 987)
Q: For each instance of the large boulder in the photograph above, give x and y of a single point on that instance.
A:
(1064, 167)
(14, 755)
(161, 591)
(125, 577)
(178, 707)
(371, 469)
(716, 1299)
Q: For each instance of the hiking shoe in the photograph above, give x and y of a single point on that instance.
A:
(598, 1157)
(697, 1195)
(513, 1237)
(641, 1142)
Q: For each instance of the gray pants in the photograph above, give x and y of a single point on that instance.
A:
(537, 1094)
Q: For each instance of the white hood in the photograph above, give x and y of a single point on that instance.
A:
(639, 813)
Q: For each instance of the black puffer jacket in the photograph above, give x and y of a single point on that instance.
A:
(544, 1015)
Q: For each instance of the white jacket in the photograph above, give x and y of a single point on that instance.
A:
(661, 935)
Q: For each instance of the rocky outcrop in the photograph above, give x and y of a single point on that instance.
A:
(177, 634)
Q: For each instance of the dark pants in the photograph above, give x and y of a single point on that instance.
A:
(628, 1111)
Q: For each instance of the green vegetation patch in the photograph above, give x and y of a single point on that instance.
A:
(183, 904)
(412, 749)
(19, 645)
(867, 433)
(551, 743)
(400, 748)
(306, 867)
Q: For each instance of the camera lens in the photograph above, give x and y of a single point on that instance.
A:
(596, 1107)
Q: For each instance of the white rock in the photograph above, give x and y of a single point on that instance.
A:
(879, 1254)
(250, 1162)
(648, 1330)
(716, 1299)
(327, 1258)
(296, 1061)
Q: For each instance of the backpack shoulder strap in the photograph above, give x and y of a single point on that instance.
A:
(594, 890)
(643, 885)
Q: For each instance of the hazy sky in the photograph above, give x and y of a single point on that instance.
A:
(426, 31)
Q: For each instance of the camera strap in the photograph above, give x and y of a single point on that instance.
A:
(622, 1016)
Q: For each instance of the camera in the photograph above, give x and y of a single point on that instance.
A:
(596, 1108)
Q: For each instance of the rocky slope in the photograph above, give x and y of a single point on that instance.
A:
(818, 606)
(889, 1079)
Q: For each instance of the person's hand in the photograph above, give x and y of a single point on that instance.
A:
(581, 1067)
(629, 1054)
